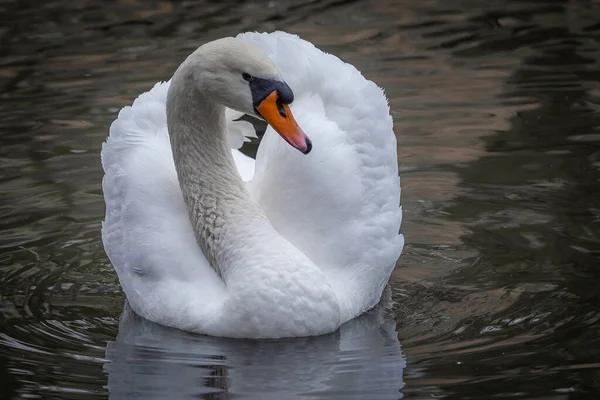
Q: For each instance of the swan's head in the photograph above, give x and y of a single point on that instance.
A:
(238, 75)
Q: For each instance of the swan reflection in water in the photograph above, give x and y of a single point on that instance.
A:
(362, 360)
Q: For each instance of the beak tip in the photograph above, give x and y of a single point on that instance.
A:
(308, 146)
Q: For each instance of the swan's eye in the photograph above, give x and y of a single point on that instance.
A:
(247, 77)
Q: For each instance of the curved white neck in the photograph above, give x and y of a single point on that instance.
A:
(219, 206)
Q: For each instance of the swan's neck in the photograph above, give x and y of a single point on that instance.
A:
(219, 206)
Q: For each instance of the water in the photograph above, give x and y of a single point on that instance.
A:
(497, 111)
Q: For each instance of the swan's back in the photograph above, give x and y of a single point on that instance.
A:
(341, 203)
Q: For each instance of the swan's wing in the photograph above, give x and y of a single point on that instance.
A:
(147, 234)
(340, 204)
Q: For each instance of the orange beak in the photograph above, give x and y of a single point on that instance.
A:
(280, 117)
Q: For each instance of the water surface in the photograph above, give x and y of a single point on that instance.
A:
(497, 111)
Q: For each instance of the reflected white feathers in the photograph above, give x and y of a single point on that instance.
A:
(361, 361)
(307, 243)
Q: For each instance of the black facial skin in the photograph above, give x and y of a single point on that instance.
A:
(261, 88)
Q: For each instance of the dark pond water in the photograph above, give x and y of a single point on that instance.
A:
(497, 111)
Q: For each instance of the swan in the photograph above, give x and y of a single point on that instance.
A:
(295, 243)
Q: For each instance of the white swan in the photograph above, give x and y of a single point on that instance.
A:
(308, 244)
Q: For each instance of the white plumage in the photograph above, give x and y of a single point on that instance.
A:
(335, 211)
